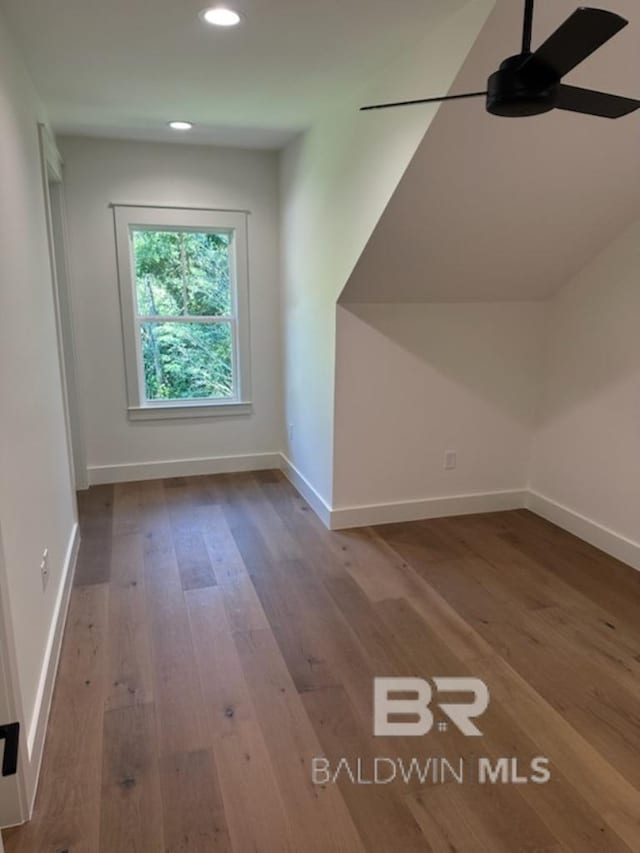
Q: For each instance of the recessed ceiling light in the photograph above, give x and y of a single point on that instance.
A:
(220, 16)
(180, 125)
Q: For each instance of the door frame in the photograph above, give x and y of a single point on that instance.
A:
(53, 185)
(14, 803)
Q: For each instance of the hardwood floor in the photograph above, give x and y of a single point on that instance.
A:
(219, 638)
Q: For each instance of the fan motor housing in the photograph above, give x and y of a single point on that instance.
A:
(511, 96)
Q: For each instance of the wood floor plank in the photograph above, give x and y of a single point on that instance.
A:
(318, 817)
(594, 561)
(530, 575)
(254, 810)
(95, 511)
(302, 523)
(188, 526)
(129, 680)
(567, 569)
(279, 542)
(302, 637)
(461, 638)
(609, 644)
(478, 819)
(379, 573)
(176, 685)
(284, 594)
(193, 812)
(129, 502)
(131, 805)
(384, 656)
(242, 604)
(225, 696)
(607, 582)
(94, 561)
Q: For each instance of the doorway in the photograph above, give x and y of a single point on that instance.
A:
(52, 172)
(13, 798)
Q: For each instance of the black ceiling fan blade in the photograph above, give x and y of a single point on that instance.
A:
(580, 36)
(595, 103)
(422, 101)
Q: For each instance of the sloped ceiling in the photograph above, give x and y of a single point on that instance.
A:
(500, 209)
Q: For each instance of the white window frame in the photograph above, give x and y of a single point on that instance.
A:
(129, 218)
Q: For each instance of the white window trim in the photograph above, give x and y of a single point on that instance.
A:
(128, 217)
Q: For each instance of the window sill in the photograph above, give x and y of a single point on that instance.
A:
(179, 411)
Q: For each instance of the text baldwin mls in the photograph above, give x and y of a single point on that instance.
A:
(435, 770)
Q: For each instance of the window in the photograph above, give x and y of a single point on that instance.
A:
(184, 300)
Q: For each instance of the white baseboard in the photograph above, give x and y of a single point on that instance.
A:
(128, 473)
(38, 729)
(341, 518)
(312, 497)
(601, 537)
(390, 513)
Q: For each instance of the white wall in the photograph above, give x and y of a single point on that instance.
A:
(587, 449)
(336, 181)
(37, 506)
(99, 172)
(417, 380)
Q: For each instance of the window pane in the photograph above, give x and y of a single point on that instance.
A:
(182, 272)
(209, 282)
(187, 360)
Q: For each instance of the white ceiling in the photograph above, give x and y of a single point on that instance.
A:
(500, 209)
(125, 67)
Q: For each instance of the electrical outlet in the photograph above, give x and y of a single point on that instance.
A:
(44, 568)
(450, 460)
(290, 431)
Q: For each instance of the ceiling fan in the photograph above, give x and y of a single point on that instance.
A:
(529, 83)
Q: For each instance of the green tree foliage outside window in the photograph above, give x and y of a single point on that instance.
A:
(182, 275)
